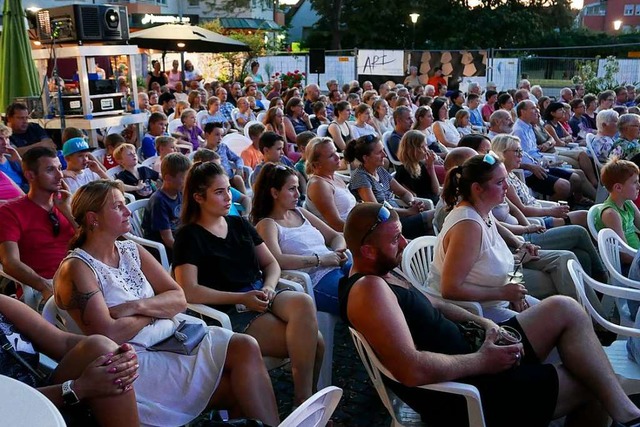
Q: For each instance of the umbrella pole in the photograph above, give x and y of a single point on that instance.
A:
(184, 82)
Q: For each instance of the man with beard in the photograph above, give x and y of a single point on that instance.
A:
(500, 122)
(37, 227)
(418, 338)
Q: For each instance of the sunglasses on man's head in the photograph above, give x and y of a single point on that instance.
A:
(383, 216)
(55, 223)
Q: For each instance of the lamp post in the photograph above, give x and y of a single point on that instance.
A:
(414, 18)
(617, 24)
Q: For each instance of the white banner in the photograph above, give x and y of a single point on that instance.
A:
(381, 62)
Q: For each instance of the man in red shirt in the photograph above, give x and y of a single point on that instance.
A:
(437, 78)
(36, 228)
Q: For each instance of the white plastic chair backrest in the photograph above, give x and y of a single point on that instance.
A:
(261, 117)
(174, 125)
(59, 318)
(115, 129)
(236, 142)
(137, 213)
(150, 161)
(234, 118)
(248, 125)
(591, 220)
(99, 154)
(323, 130)
(385, 144)
(22, 405)
(111, 173)
(416, 260)
(375, 369)
(316, 410)
(200, 116)
(581, 280)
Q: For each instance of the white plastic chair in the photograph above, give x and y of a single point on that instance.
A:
(99, 154)
(610, 245)
(136, 234)
(234, 118)
(416, 265)
(248, 125)
(385, 144)
(150, 161)
(322, 131)
(601, 192)
(111, 173)
(21, 405)
(236, 142)
(591, 220)
(396, 407)
(261, 116)
(316, 410)
(326, 325)
(30, 296)
(173, 125)
(627, 371)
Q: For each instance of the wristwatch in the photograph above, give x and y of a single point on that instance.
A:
(68, 395)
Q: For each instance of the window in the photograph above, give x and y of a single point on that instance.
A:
(638, 9)
(628, 9)
(194, 3)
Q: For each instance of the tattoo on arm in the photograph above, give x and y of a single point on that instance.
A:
(79, 300)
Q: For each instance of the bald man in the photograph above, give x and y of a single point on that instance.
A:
(311, 96)
(418, 338)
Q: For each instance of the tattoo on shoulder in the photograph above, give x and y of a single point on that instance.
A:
(79, 300)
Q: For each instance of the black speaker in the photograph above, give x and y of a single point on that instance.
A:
(316, 61)
(90, 23)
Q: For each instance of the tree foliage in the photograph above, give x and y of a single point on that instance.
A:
(443, 24)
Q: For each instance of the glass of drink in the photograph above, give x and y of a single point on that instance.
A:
(508, 336)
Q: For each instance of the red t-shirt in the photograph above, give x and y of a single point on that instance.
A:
(28, 224)
(109, 162)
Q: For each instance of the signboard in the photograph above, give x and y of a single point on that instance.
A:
(146, 20)
(381, 62)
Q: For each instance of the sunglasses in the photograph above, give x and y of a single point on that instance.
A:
(383, 216)
(55, 223)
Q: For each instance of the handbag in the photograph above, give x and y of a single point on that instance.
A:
(23, 371)
(185, 340)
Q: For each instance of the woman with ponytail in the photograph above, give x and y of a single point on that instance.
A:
(472, 261)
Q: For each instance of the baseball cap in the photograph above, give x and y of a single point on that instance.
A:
(75, 145)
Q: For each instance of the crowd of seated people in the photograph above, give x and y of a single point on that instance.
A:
(298, 190)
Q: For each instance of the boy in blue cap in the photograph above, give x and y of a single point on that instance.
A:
(81, 167)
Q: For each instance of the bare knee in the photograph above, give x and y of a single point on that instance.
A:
(301, 304)
(562, 188)
(96, 345)
(565, 309)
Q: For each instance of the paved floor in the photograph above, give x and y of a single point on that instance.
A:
(360, 404)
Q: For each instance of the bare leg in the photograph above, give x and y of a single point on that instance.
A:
(562, 189)
(292, 330)
(560, 322)
(577, 403)
(245, 388)
(119, 410)
(587, 168)
(579, 218)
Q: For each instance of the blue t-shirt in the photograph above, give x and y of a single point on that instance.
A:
(254, 176)
(148, 146)
(162, 213)
(14, 171)
(34, 134)
(235, 197)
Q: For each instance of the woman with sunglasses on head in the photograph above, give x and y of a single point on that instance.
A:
(298, 239)
(222, 261)
(328, 197)
(116, 288)
(472, 262)
(371, 182)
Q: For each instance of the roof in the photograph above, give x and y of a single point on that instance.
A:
(249, 24)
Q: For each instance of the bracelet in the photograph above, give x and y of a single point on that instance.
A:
(317, 259)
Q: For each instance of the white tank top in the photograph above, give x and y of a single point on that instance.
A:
(342, 197)
(493, 263)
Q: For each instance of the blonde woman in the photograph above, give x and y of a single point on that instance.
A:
(417, 172)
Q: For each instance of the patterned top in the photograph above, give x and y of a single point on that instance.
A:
(381, 186)
(9, 366)
(523, 192)
(226, 108)
(602, 146)
(625, 149)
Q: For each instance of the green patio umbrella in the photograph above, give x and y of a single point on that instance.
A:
(18, 75)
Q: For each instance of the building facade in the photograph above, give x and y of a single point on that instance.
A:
(610, 16)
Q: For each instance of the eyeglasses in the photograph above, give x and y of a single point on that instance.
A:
(383, 216)
(518, 151)
(55, 223)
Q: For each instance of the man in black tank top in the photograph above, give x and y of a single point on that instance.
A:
(418, 340)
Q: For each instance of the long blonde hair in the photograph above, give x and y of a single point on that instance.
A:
(410, 151)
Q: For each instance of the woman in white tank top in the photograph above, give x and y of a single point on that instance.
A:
(298, 239)
(472, 262)
(328, 197)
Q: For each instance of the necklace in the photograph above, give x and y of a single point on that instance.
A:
(488, 221)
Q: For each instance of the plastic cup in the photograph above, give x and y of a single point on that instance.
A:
(508, 336)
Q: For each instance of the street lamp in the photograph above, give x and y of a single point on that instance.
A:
(617, 24)
(414, 18)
